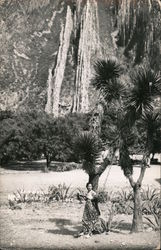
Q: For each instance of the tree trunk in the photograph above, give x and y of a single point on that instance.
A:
(152, 158)
(94, 179)
(47, 166)
(45, 170)
(137, 223)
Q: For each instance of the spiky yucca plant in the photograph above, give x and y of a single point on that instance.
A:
(151, 121)
(146, 85)
(106, 77)
(88, 148)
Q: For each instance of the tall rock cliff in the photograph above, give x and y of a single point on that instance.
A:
(48, 48)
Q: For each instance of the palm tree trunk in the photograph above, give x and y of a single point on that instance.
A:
(96, 119)
(152, 158)
(94, 179)
(45, 169)
(137, 223)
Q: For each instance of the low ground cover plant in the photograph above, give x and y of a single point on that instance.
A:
(62, 192)
(120, 202)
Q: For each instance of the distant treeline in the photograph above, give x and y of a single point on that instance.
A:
(34, 134)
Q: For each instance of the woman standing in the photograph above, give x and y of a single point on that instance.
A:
(91, 221)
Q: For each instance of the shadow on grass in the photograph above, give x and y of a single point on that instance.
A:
(64, 227)
(67, 227)
(24, 166)
(122, 226)
(40, 165)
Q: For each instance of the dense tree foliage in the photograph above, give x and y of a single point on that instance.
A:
(31, 135)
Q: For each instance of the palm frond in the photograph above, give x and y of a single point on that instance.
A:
(151, 123)
(105, 79)
(107, 69)
(146, 85)
(151, 120)
(88, 147)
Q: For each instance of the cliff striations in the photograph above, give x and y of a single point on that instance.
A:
(48, 48)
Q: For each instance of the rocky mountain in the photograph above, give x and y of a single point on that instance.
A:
(48, 48)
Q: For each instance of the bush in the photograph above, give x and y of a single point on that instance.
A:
(103, 196)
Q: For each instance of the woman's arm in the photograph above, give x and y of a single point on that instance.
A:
(94, 194)
(80, 196)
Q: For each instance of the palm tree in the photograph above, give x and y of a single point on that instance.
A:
(107, 73)
(105, 81)
(88, 144)
(149, 122)
(145, 86)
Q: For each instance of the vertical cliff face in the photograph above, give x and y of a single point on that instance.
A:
(89, 49)
(48, 48)
(55, 80)
(138, 23)
(83, 25)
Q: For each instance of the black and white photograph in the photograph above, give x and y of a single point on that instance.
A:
(80, 124)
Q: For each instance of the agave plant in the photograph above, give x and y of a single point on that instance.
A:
(64, 192)
(151, 201)
(154, 222)
(61, 193)
(149, 194)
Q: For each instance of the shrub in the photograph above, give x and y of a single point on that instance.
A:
(123, 201)
(104, 196)
(61, 193)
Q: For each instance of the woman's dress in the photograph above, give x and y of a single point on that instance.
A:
(91, 221)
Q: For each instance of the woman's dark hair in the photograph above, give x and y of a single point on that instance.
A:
(88, 184)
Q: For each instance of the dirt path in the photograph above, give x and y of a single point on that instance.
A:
(53, 227)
